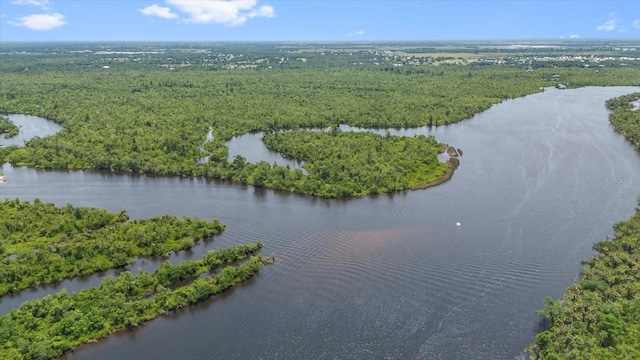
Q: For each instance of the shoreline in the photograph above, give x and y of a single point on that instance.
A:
(453, 165)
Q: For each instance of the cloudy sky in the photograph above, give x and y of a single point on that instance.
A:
(307, 20)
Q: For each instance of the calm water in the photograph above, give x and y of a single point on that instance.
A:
(389, 277)
(30, 126)
(251, 147)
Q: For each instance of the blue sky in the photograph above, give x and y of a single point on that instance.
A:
(328, 20)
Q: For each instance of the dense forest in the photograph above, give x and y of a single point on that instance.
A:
(47, 327)
(149, 113)
(625, 117)
(599, 316)
(152, 118)
(41, 243)
(8, 128)
(360, 163)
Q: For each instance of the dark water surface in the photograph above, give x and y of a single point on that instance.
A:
(389, 277)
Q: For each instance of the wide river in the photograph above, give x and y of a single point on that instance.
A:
(542, 178)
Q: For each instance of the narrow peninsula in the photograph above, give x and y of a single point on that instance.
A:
(41, 244)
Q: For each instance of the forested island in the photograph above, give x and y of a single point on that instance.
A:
(41, 243)
(599, 316)
(146, 108)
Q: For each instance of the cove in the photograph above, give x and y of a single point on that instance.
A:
(30, 126)
(251, 147)
(390, 276)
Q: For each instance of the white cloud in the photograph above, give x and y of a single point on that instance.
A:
(574, 36)
(228, 12)
(40, 3)
(356, 33)
(636, 23)
(609, 25)
(159, 11)
(40, 22)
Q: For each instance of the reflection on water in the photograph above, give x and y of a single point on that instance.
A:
(390, 276)
(251, 147)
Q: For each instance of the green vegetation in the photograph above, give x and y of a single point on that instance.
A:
(146, 109)
(6, 150)
(8, 128)
(359, 163)
(599, 316)
(625, 117)
(150, 110)
(46, 328)
(41, 243)
(354, 164)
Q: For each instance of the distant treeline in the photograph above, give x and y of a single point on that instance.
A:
(150, 119)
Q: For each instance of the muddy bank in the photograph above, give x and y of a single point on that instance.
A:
(453, 165)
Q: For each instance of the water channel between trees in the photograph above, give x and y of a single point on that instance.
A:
(387, 276)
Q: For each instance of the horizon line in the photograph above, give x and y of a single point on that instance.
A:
(330, 41)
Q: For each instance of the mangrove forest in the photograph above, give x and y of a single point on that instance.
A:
(599, 316)
(42, 243)
(150, 114)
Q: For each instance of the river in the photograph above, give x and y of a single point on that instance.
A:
(30, 126)
(388, 276)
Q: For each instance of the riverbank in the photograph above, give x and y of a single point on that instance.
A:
(453, 162)
(453, 165)
(357, 163)
(62, 321)
(7, 128)
(129, 134)
(599, 315)
(424, 286)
